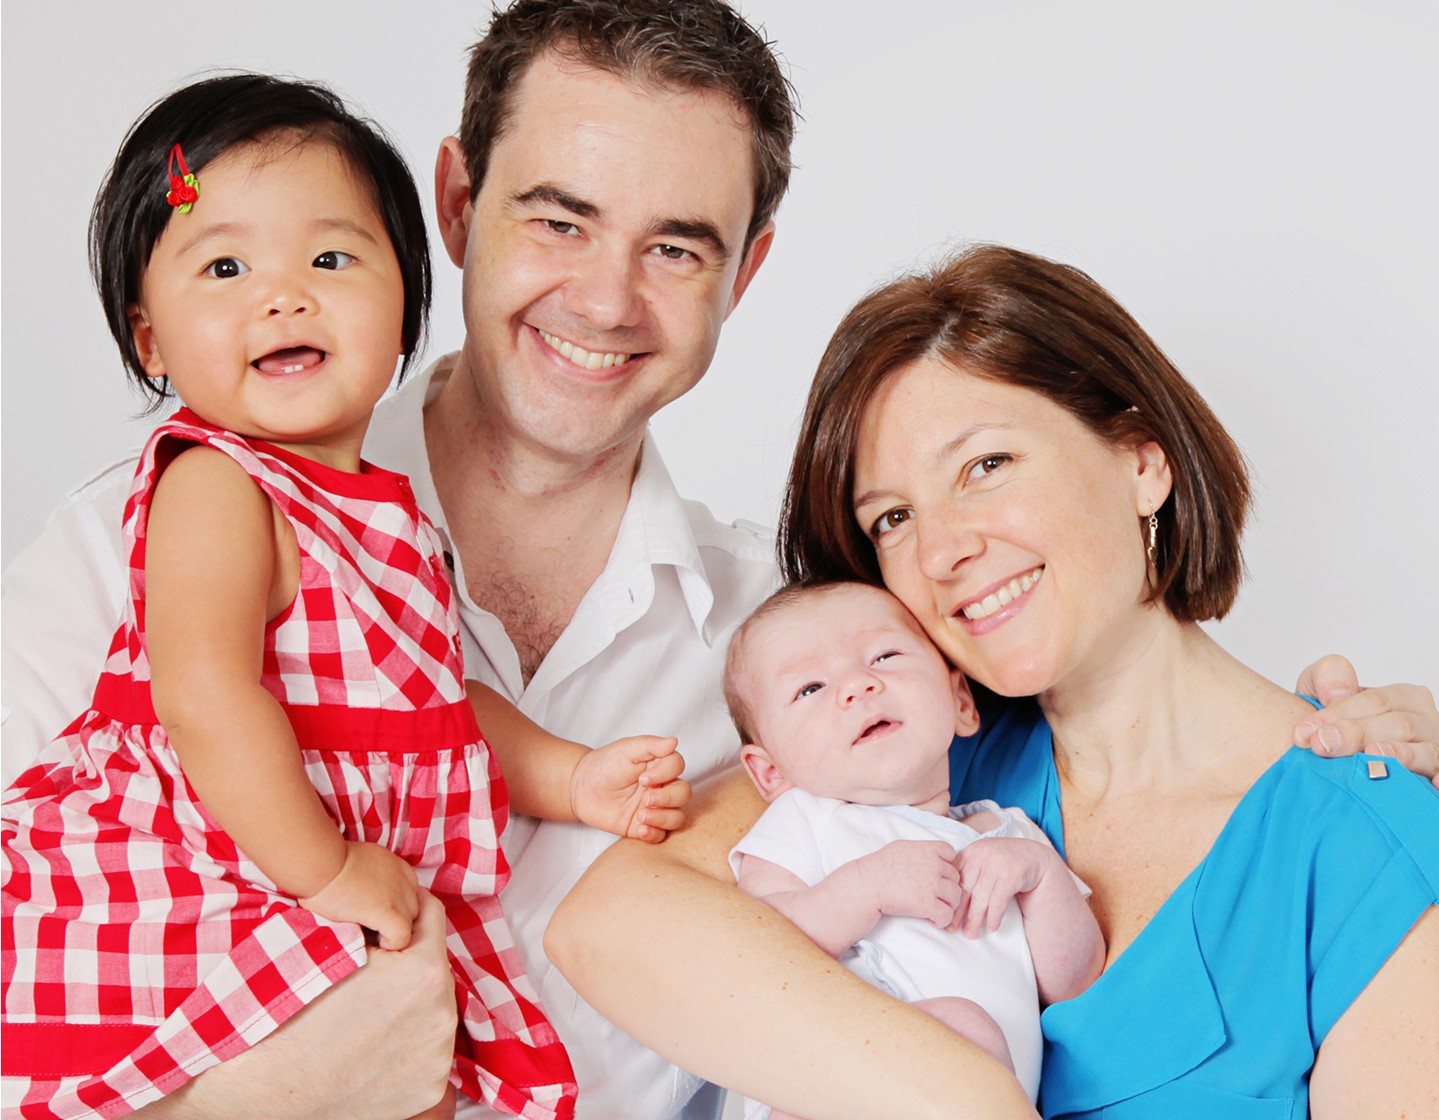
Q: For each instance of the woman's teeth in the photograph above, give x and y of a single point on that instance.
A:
(1003, 597)
(581, 357)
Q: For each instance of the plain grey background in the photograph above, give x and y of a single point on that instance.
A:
(1255, 181)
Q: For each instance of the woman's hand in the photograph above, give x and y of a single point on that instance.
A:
(1398, 721)
(374, 887)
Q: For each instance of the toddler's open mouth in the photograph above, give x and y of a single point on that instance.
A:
(290, 359)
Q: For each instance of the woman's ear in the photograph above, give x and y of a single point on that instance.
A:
(966, 714)
(762, 771)
(144, 337)
(1153, 477)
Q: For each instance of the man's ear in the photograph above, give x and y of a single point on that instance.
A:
(758, 250)
(762, 771)
(452, 198)
(966, 715)
(144, 338)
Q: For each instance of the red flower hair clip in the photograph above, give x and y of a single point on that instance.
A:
(184, 187)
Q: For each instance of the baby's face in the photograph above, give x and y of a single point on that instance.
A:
(850, 700)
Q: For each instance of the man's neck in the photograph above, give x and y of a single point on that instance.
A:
(533, 530)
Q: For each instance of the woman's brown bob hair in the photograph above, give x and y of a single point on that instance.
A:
(1015, 318)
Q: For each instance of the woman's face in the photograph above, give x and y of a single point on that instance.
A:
(1008, 529)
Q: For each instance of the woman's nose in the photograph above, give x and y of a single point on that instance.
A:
(946, 541)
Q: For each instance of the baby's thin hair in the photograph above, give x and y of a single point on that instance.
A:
(779, 600)
(209, 118)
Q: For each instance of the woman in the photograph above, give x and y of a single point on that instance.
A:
(1005, 449)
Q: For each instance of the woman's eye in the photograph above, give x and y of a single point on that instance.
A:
(987, 465)
(226, 267)
(808, 690)
(890, 520)
(334, 259)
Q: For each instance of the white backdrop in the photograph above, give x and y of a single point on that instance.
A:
(1255, 180)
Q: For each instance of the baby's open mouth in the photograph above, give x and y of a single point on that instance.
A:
(291, 359)
(878, 727)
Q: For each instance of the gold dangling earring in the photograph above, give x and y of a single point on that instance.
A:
(1153, 550)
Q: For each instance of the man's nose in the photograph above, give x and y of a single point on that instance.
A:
(605, 290)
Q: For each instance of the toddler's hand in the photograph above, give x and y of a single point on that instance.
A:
(632, 787)
(374, 887)
(913, 879)
(995, 870)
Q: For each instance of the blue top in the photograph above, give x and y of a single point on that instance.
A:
(1219, 1005)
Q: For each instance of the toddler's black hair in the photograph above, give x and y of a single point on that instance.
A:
(207, 119)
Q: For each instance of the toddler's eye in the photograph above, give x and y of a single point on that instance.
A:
(334, 259)
(226, 267)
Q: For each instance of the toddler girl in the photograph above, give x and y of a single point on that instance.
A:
(280, 752)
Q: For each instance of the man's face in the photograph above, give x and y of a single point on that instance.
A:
(602, 254)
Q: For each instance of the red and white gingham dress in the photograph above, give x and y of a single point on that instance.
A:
(142, 947)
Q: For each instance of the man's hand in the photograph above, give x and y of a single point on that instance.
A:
(377, 1046)
(913, 879)
(632, 787)
(375, 888)
(1398, 721)
(993, 872)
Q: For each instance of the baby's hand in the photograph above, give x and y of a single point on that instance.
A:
(995, 870)
(913, 879)
(374, 887)
(632, 788)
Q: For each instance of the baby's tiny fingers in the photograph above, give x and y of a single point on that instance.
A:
(665, 820)
(672, 795)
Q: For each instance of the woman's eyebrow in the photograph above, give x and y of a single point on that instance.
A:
(962, 437)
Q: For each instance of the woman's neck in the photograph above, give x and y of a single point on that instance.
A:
(1167, 709)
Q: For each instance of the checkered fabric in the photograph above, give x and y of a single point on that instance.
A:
(142, 947)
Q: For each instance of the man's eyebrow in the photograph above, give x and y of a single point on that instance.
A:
(555, 196)
(693, 229)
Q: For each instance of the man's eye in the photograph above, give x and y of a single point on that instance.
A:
(988, 465)
(808, 690)
(334, 259)
(226, 267)
(555, 225)
(673, 252)
(890, 520)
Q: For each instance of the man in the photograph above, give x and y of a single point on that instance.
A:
(609, 205)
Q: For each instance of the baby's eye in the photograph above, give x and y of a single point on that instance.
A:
(226, 267)
(334, 259)
(886, 655)
(988, 465)
(889, 520)
(808, 690)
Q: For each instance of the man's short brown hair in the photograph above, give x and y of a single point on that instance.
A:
(701, 45)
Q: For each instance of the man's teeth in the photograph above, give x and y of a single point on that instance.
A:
(1003, 597)
(581, 357)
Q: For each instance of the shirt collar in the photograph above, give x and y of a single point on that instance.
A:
(655, 530)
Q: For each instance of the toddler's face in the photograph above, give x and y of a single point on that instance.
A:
(850, 700)
(276, 305)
